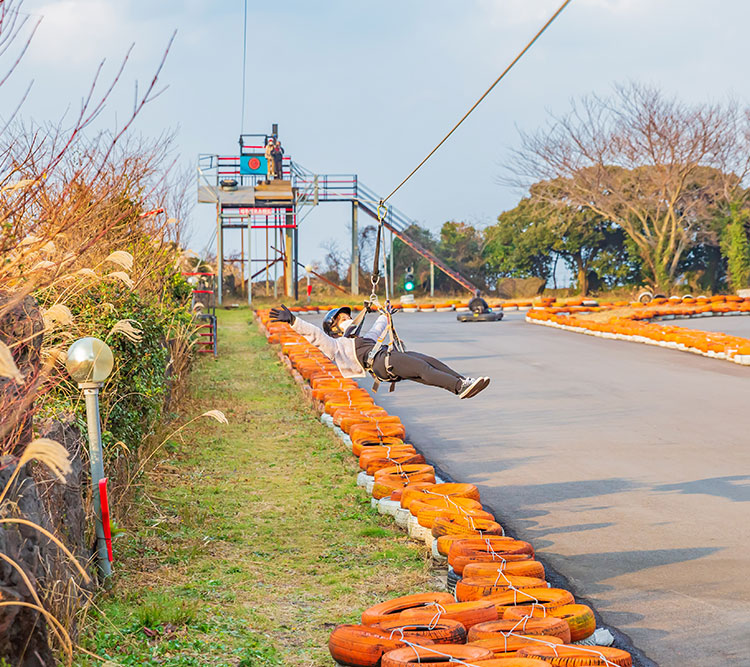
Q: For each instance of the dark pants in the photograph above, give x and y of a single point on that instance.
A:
(419, 368)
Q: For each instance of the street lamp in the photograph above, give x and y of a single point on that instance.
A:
(89, 363)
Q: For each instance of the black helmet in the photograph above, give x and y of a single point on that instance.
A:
(330, 318)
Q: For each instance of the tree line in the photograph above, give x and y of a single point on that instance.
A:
(627, 190)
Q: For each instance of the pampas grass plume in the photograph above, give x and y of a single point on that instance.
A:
(122, 276)
(57, 314)
(121, 258)
(8, 366)
(49, 452)
(128, 329)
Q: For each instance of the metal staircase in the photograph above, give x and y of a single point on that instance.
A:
(313, 189)
(203, 305)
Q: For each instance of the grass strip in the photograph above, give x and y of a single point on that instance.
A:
(249, 542)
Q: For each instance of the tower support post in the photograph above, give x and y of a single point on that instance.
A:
(250, 262)
(219, 254)
(355, 248)
(289, 258)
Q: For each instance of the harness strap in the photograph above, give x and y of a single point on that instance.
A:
(394, 342)
(358, 322)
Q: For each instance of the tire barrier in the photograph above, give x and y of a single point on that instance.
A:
(475, 589)
(547, 597)
(422, 655)
(510, 644)
(443, 631)
(364, 646)
(578, 656)
(641, 324)
(579, 617)
(549, 627)
(466, 613)
(386, 611)
(524, 568)
(499, 611)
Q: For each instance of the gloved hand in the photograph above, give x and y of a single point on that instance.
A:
(282, 314)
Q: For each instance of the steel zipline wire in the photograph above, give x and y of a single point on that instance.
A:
(244, 69)
(479, 101)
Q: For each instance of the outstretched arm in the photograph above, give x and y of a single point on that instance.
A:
(312, 333)
(316, 336)
(377, 329)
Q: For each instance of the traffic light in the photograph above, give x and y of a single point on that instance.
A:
(409, 279)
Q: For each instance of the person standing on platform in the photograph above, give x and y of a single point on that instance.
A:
(278, 153)
(270, 162)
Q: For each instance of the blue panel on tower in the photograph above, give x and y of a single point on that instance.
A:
(253, 164)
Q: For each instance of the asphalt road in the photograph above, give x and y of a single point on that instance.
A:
(627, 467)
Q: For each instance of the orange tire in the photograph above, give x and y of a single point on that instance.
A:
(447, 489)
(521, 568)
(466, 613)
(411, 470)
(489, 549)
(376, 430)
(444, 631)
(579, 617)
(376, 464)
(427, 517)
(578, 656)
(500, 645)
(445, 541)
(389, 610)
(360, 446)
(549, 597)
(440, 502)
(457, 525)
(549, 626)
(378, 451)
(476, 589)
(421, 655)
(512, 661)
(366, 416)
(385, 485)
(396, 495)
(363, 646)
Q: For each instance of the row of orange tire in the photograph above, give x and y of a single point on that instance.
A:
(503, 612)
(425, 307)
(638, 324)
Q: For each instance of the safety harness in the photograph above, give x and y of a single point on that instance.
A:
(394, 342)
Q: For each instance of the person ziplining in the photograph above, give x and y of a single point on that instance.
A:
(356, 355)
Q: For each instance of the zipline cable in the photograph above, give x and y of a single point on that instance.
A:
(244, 69)
(478, 102)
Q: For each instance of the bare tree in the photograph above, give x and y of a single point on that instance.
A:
(335, 261)
(654, 166)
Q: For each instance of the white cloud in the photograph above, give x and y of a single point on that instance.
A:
(76, 32)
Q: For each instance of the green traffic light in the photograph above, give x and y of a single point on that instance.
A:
(408, 286)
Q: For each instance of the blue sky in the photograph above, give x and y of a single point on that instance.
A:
(369, 88)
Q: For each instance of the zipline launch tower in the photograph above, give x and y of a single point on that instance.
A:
(247, 199)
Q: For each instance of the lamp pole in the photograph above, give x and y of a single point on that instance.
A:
(89, 362)
(96, 459)
(308, 271)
